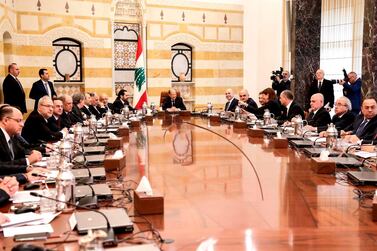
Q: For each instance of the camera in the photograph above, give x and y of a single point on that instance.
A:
(346, 79)
(277, 73)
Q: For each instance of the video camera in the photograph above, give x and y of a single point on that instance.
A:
(346, 79)
(277, 73)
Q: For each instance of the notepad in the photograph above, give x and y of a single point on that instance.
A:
(12, 231)
(21, 219)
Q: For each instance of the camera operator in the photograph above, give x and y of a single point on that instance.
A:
(281, 82)
(352, 90)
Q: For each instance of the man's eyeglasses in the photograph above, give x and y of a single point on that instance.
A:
(243, 95)
(49, 106)
(338, 104)
(17, 120)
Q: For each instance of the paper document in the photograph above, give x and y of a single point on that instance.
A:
(12, 231)
(24, 196)
(364, 154)
(21, 219)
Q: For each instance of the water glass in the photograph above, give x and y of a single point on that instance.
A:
(47, 205)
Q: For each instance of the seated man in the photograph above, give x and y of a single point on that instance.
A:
(246, 102)
(87, 103)
(12, 153)
(173, 102)
(268, 100)
(290, 108)
(93, 107)
(232, 103)
(78, 103)
(68, 118)
(54, 122)
(365, 126)
(104, 105)
(36, 128)
(343, 117)
(318, 115)
(121, 101)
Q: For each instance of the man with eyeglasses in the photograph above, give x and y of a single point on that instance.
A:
(12, 151)
(318, 115)
(36, 128)
(246, 102)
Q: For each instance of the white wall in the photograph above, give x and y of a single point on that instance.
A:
(263, 42)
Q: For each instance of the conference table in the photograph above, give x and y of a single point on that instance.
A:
(226, 191)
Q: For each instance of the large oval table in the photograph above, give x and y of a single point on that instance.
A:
(225, 190)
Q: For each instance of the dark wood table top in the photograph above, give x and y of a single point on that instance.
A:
(222, 187)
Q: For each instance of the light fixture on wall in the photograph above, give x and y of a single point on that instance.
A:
(93, 10)
(39, 5)
(66, 7)
(204, 17)
(183, 16)
(225, 19)
(162, 15)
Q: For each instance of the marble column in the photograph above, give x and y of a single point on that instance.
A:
(305, 38)
(369, 64)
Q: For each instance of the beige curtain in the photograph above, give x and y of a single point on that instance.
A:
(341, 38)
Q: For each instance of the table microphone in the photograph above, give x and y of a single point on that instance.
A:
(109, 241)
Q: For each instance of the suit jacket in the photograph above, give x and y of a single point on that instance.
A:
(327, 89)
(38, 90)
(178, 103)
(105, 109)
(251, 105)
(341, 123)
(67, 119)
(118, 105)
(353, 92)
(370, 130)
(232, 106)
(95, 111)
(281, 86)
(18, 164)
(294, 110)
(14, 94)
(54, 124)
(86, 111)
(36, 130)
(320, 118)
(77, 114)
(272, 105)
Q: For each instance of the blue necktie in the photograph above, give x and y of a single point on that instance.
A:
(360, 130)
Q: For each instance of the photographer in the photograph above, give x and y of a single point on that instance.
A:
(352, 90)
(281, 81)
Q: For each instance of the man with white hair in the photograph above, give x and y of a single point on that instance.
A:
(324, 86)
(318, 115)
(352, 90)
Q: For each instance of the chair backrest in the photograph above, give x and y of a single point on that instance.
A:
(164, 95)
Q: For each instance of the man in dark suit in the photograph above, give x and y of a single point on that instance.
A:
(324, 86)
(232, 103)
(282, 84)
(352, 90)
(36, 128)
(68, 118)
(78, 103)
(104, 105)
(13, 91)
(12, 152)
(55, 121)
(318, 115)
(173, 102)
(290, 108)
(93, 107)
(121, 101)
(365, 126)
(87, 102)
(42, 87)
(246, 102)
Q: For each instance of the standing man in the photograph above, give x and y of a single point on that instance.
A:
(42, 87)
(352, 90)
(232, 103)
(13, 91)
(324, 86)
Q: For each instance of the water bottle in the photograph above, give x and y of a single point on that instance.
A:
(108, 118)
(331, 136)
(93, 125)
(153, 107)
(65, 180)
(237, 113)
(144, 109)
(298, 124)
(209, 106)
(126, 112)
(78, 137)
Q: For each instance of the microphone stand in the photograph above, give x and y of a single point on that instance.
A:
(110, 240)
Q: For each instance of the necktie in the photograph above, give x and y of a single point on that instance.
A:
(361, 128)
(227, 106)
(173, 103)
(319, 85)
(10, 144)
(47, 89)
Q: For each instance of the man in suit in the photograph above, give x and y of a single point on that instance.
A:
(104, 105)
(12, 152)
(290, 108)
(78, 103)
(8, 187)
(13, 91)
(87, 103)
(36, 128)
(121, 101)
(55, 121)
(352, 90)
(42, 87)
(246, 102)
(365, 126)
(68, 118)
(324, 86)
(232, 103)
(94, 104)
(343, 117)
(318, 115)
(173, 102)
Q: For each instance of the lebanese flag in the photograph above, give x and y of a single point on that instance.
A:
(140, 88)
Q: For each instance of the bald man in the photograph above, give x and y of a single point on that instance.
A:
(232, 102)
(324, 86)
(173, 102)
(246, 102)
(318, 116)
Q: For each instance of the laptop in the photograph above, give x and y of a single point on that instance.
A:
(94, 149)
(102, 191)
(98, 173)
(117, 217)
(362, 178)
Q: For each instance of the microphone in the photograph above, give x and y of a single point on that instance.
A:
(89, 201)
(109, 241)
